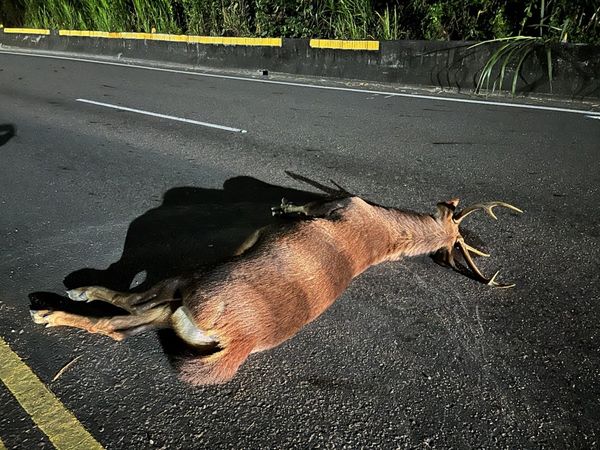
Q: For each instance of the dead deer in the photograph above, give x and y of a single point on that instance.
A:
(282, 277)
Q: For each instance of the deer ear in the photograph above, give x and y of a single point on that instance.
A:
(452, 203)
(447, 208)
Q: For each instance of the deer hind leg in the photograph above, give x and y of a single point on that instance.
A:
(163, 292)
(321, 208)
(117, 327)
(213, 360)
(216, 368)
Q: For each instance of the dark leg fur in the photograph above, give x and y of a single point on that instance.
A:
(163, 292)
(321, 209)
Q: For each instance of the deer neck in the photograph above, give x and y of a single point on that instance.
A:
(397, 233)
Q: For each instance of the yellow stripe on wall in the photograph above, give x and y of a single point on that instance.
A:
(265, 42)
(26, 30)
(85, 33)
(168, 37)
(59, 424)
(218, 40)
(344, 45)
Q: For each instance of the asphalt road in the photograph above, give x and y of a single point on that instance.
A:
(412, 355)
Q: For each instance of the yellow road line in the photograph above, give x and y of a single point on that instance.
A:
(344, 45)
(2, 447)
(26, 30)
(60, 425)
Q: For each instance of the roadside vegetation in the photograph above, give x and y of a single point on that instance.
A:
(475, 20)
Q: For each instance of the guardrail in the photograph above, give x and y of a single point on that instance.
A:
(455, 65)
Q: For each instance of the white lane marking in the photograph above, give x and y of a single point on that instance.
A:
(163, 116)
(593, 117)
(313, 86)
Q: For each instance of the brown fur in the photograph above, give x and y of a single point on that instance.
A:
(285, 277)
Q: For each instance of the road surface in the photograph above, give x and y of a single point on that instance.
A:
(412, 355)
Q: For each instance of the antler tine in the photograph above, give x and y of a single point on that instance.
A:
(464, 249)
(486, 206)
(476, 251)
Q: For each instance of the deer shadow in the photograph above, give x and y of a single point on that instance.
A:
(7, 132)
(192, 229)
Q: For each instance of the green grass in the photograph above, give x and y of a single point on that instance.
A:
(388, 25)
(350, 19)
(203, 17)
(53, 14)
(149, 15)
(482, 20)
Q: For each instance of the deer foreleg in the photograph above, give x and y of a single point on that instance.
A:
(163, 292)
(312, 209)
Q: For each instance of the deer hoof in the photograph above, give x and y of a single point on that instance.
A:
(78, 295)
(41, 316)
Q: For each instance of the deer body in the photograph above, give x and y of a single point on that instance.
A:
(294, 272)
(283, 277)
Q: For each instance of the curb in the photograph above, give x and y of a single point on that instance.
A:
(428, 64)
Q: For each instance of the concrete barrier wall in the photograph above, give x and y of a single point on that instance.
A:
(576, 68)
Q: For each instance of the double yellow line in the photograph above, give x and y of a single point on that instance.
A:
(59, 424)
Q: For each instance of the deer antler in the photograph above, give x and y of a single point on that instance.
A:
(486, 206)
(465, 248)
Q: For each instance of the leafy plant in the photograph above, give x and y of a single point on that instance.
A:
(350, 19)
(486, 20)
(433, 24)
(203, 17)
(513, 52)
(149, 15)
(291, 18)
(107, 15)
(235, 18)
(499, 24)
(9, 12)
(54, 14)
(389, 24)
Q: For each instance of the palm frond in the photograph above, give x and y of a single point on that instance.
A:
(510, 55)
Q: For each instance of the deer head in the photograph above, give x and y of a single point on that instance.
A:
(451, 220)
